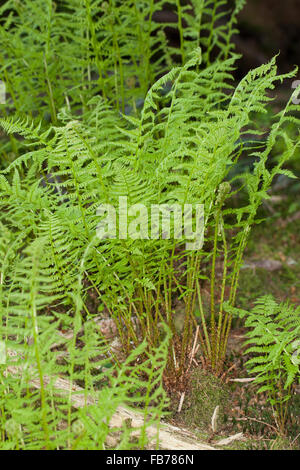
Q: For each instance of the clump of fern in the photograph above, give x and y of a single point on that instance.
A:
(274, 344)
(180, 150)
(111, 112)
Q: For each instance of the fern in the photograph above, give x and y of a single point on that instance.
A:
(43, 355)
(274, 331)
(99, 108)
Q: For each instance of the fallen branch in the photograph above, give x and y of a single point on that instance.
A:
(170, 437)
(229, 440)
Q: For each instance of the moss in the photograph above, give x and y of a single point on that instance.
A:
(206, 392)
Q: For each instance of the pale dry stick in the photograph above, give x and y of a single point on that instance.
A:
(196, 350)
(193, 352)
(170, 437)
(181, 402)
(229, 440)
(195, 342)
(243, 380)
(192, 359)
(214, 419)
(174, 358)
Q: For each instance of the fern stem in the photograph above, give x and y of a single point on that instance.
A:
(50, 93)
(203, 321)
(219, 345)
(212, 291)
(211, 31)
(180, 28)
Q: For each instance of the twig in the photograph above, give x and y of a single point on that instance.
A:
(245, 380)
(181, 402)
(194, 350)
(170, 437)
(258, 421)
(293, 442)
(227, 371)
